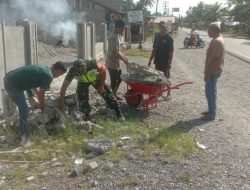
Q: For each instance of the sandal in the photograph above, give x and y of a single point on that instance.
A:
(208, 118)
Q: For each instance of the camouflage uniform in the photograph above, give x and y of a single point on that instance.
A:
(86, 73)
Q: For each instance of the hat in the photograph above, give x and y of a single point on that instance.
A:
(79, 64)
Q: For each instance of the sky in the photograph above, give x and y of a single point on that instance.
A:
(183, 5)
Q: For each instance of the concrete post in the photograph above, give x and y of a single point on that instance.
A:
(104, 38)
(128, 34)
(30, 40)
(9, 107)
(93, 40)
(81, 41)
(3, 41)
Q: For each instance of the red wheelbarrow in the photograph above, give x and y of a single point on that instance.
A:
(147, 94)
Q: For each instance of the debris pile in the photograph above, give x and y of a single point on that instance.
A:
(145, 75)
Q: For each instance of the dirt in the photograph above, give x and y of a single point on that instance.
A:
(224, 164)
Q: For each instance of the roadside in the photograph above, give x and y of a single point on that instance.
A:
(224, 164)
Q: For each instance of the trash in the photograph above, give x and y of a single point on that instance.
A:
(201, 146)
(31, 178)
(78, 161)
(202, 130)
(125, 138)
(93, 165)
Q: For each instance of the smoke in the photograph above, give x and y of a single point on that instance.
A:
(55, 17)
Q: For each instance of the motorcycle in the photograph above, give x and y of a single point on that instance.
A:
(188, 42)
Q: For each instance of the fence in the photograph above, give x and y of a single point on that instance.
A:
(87, 45)
(18, 47)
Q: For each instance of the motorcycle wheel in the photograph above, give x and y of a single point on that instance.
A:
(201, 44)
(185, 44)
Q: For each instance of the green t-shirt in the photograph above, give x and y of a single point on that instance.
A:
(30, 76)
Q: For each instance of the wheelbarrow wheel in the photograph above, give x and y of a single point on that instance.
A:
(133, 98)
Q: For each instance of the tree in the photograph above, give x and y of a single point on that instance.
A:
(241, 9)
(205, 13)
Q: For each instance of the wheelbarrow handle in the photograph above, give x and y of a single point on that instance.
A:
(175, 86)
(178, 85)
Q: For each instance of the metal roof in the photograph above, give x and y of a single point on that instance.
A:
(113, 5)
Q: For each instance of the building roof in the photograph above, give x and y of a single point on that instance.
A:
(112, 5)
(164, 18)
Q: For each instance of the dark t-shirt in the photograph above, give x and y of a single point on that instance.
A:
(30, 76)
(162, 46)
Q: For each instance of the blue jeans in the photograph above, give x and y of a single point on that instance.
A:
(211, 93)
(18, 97)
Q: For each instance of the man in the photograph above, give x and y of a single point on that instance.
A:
(213, 69)
(113, 57)
(89, 72)
(193, 35)
(25, 79)
(162, 52)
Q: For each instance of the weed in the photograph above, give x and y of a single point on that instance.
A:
(186, 177)
(137, 52)
(130, 181)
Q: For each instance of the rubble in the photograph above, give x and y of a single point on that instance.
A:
(145, 75)
(99, 146)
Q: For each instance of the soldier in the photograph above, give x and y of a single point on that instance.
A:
(89, 72)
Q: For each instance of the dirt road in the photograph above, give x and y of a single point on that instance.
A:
(223, 165)
(227, 162)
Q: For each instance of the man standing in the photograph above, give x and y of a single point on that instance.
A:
(213, 69)
(113, 57)
(25, 79)
(89, 72)
(162, 52)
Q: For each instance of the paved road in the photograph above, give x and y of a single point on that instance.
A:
(234, 46)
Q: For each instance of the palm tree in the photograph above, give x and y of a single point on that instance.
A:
(156, 6)
(146, 3)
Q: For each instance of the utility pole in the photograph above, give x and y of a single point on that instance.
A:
(166, 8)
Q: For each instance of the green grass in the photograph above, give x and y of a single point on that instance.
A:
(145, 141)
(130, 181)
(137, 52)
(186, 177)
(177, 145)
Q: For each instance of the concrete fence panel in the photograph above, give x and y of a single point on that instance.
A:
(86, 39)
(18, 47)
(14, 47)
(99, 50)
